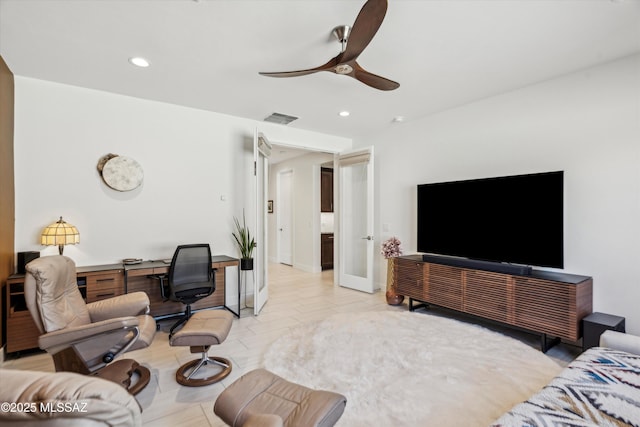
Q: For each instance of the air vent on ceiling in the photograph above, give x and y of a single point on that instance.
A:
(282, 119)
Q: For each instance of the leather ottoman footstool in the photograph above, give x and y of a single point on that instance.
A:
(202, 330)
(261, 398)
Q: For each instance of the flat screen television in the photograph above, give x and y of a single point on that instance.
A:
(510, 219)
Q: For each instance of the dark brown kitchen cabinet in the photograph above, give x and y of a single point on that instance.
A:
(326, 251)
(326, 190)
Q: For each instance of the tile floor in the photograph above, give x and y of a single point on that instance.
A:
(295, 297)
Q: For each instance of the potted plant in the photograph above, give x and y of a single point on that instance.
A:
(391, 249)
(245, 243)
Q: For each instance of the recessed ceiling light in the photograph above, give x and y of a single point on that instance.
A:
(139, 61)
(344, 113)
(398, 119)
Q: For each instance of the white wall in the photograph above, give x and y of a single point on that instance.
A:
(306, 209)
(191, 160)
(586, 123)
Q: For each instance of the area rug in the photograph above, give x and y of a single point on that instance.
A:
(411, 369)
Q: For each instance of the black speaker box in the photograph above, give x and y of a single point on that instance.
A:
(497, 267)
(25, 258)
(595, 324)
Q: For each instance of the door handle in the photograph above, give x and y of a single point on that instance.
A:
(368, 238)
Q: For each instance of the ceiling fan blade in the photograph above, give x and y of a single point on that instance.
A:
(288, 73)
(364, 28)
(373, 80)
(329, 66)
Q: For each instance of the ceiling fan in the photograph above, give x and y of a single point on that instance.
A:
(354, 40)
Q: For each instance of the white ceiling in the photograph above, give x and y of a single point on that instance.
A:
(206, 54)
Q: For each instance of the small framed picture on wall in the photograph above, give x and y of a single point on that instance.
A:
(270, 206)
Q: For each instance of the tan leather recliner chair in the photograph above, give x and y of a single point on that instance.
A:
(85, 338)
(64, 399)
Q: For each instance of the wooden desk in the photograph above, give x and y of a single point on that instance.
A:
(139, 277)
(100, 282)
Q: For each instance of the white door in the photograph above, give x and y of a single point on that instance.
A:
(261, 152)
(355, 175)
(284, 214)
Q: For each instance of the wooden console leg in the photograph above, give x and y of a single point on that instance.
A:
(414, 307)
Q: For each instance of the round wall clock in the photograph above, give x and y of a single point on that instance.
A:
(121, 173)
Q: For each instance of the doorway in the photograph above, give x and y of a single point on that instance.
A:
(295, 189)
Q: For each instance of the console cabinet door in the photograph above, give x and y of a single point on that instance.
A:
(550, 307)
(409, 278)
(488, 295)
(445, 286)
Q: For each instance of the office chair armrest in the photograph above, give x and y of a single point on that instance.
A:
(131, 304)
(62, 338)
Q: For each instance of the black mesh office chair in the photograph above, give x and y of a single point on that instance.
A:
(190, 278)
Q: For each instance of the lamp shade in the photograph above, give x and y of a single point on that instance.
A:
(60, 233)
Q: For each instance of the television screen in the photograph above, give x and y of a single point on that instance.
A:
(512, 219)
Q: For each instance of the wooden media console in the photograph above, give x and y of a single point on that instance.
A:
(552, 304)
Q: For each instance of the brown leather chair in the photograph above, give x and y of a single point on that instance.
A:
(86, 338)
(65, 399)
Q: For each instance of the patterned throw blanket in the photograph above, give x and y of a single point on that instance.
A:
(600, 388)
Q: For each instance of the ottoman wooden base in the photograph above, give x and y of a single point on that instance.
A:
(185, 371)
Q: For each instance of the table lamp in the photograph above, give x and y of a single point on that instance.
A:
(60, 233)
